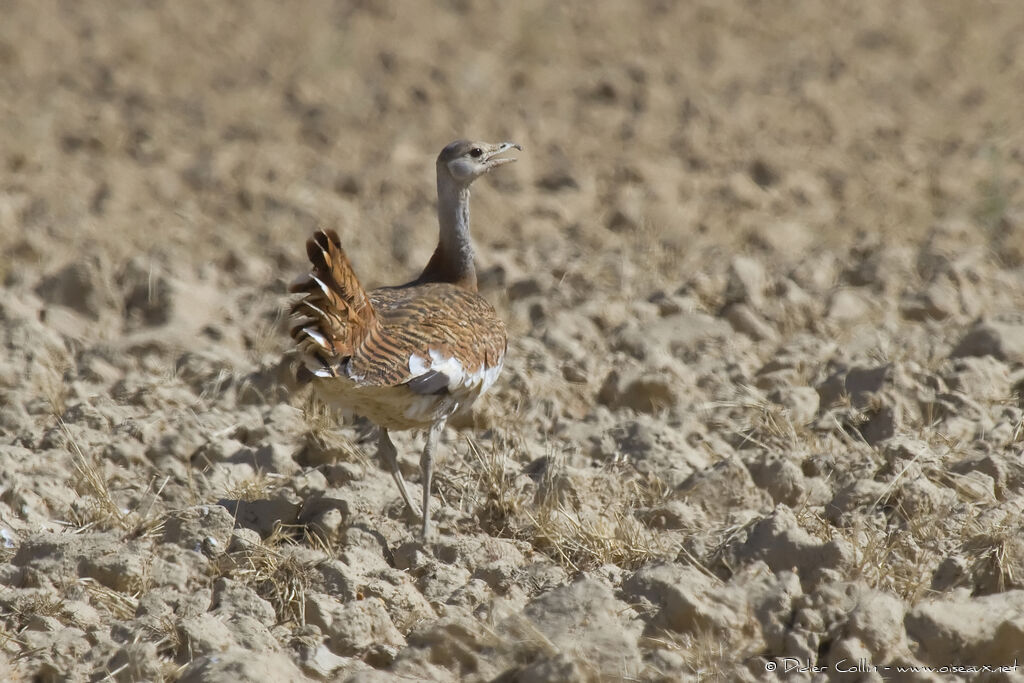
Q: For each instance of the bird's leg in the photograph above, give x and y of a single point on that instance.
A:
(427, 470)
(387, 450)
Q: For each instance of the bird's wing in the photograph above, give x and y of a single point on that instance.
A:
(433, 338)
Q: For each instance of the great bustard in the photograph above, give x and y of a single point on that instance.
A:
(406, 357)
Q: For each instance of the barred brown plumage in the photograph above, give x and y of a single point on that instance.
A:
(410, 356)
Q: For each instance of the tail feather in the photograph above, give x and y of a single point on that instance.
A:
(335, 314)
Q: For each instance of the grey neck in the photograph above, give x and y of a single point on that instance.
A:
(454, 243)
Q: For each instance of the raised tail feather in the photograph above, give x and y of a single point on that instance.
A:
(335, 314)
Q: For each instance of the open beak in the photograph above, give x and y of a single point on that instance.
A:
(494, 158)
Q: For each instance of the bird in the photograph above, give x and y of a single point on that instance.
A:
(409, 356)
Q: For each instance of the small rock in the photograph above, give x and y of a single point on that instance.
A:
(863, 382)
(763, 173)
(233, 599)
(1002, 338)
(251, 634)
(854, 498)
(918, 497)
(801, 402)
(321, 663)
(648, 393)
(782, 478)
(556, 181)
(987, 629)
(979, 377)
(192, 528)
(125, 571)
(673, 514)
(688, 600)
(974, 487)
(850, 651)
(724, 488)
(339, 579)
(770, 596)
(682, 335)
(780, 542)
(745, 321)
(241, 665)
(747, 281)
(626, 217)
(951, 573)
(78, 286)
(574, 373)
(203, 634)
(521, 289)
(938, 301)
(406, 606)
(136, 661)
(556, 669)
(148, 297)
(846, 305)
(877, 622)
(263, 515)
(352, 627)
(587, 623)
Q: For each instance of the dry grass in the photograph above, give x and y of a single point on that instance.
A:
(322, 432)
(49, 380)
(549, 514)
(115, 603)
(709, 656)
(276, 575)
(582, 541)
(99, 509)
(259, 487)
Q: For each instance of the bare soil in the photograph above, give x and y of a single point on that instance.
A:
(763, 270)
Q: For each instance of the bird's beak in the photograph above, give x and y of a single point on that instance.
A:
(494, 159)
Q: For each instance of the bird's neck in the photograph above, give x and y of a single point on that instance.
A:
(453, 259)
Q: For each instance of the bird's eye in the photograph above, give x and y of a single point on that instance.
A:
(475, 152)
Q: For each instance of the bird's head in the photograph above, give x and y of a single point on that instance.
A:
(465, 161)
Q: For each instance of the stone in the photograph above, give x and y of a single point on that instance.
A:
(1002, 338)
(148, 295)
(687, 600)
(877, 622)
(801, 402)
(232, 599)
(647, 393)
(746, 321)
(681, 335)
(263, 515)
(203, 634)
(746, 283)
(136, 661)
(77, 286)
(723, 488)
(353, 627)
(988, 629)
(782, 478)
(770, 597)
(241, 665)
(780, 542)
(199, 528)
(855, 498)
(847, 305)
(979, 377)
(586, 622)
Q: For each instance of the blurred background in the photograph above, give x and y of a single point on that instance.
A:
(194, 132)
